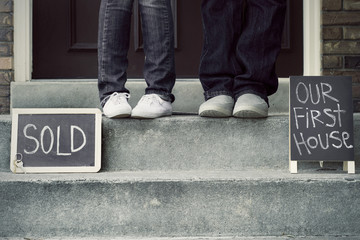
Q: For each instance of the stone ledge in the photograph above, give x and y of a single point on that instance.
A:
(254, 175)
(260, 203)
(84, 94)
(289, 237)
(192, 143)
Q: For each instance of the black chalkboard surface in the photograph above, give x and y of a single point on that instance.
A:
(321, 118)
(56, 140)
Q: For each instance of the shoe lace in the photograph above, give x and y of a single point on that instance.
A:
(149, 99)
(117, 98)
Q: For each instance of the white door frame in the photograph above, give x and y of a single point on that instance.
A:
(23, 39)
(312, 37)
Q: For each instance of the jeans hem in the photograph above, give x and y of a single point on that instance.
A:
(211, 94)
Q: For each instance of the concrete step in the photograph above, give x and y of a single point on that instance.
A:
(84, 94)
(191, 143)
(179, 204)
(201, 238)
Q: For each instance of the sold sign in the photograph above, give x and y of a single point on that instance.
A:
(56, 140)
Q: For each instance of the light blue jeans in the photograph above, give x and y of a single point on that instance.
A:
(113, 45)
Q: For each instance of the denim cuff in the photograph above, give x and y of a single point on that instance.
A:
(211, 94)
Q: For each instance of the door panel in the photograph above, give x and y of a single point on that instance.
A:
(81, 38)
(290, 60)
(65, 40)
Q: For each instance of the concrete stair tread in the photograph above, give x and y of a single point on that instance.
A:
(200, 238)
(183, 176)
(79, 94)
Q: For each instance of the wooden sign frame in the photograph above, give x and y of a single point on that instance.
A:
(311, 98)
(16, 163)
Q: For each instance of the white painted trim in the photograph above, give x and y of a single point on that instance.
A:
(293, 166)
(312, 37)
(349, 167)
(23, 40)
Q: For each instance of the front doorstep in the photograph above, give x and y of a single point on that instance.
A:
(84, 94)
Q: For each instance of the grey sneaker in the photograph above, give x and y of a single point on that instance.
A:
(152, 106)
(219, 106)
(250, 106)
(117, 106)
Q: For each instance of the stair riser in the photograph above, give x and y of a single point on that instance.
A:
(194, 143)
(190, 143)
(180, 208)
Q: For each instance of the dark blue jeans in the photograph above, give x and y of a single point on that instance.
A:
(113, 45)
(242, 39)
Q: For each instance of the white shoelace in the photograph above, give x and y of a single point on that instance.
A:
(150, 98)
(117, 98)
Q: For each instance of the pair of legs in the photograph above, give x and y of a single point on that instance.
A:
(242, 39)
(113, 45)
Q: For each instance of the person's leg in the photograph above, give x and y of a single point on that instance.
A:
(113, 45)
(221, 27)
(159, 69)
(258, 47)
(217, 58)
(158, 34)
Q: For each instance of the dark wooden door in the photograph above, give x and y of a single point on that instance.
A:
(65, 36)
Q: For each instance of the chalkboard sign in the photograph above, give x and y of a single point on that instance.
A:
(55, 140)
(321, 119)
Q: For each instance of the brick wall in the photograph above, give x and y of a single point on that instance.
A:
(341, 41)
(6, 54)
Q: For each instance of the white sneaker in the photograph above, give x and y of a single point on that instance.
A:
(152, 106)
(117, 106)
(219, 106)
(250, 106)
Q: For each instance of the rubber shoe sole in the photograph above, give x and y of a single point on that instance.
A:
(214, 113)
(122, 115)
(250, 112)
(150, 115)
